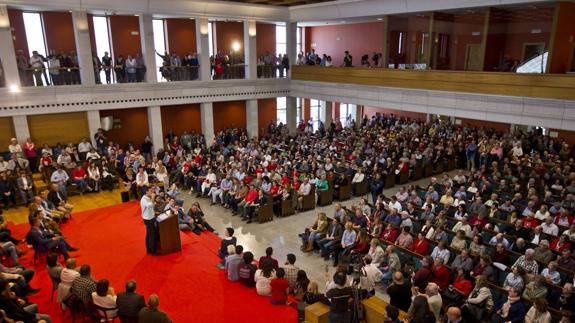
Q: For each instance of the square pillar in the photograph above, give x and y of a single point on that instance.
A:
(203, 48)
(83, 47)
(325, 113)
(291, 114)
(148, 48)
(155, 126)
(94, 123)
(7, 52)
(207, 116)
(21, 128)
(252, 118)
(358, 115)
(250, 50)
(291, 45)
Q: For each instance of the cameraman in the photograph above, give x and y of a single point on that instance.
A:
(340, 299)
(369, 276)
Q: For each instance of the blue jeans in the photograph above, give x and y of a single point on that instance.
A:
(81, 184)
(325, 245)
(339, 317)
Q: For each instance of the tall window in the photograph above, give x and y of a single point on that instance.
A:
(346, 110)
(281, 45)
(211, 27)
(299, 108)
(159, 43)
(35, 34)
(314, 109)
(102, 37)
(298, 41)
(281, 110)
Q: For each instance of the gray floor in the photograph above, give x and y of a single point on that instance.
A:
(281, 233)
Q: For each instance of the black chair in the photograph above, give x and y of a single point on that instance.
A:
(101, 313)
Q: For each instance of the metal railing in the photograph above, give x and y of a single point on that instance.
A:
(272, 71)
(43, 76)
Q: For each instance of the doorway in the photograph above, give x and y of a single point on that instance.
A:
(532, 50)
(473, 55)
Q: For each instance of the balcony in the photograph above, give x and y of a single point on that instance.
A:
(548, 86)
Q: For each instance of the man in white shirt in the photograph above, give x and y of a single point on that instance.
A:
(304, 190)
(149, 217)
(550, 228)
(15, 147)
(141, 181)
(37, 64)
(358, 177)
(370, 275)
(60, 178)
(83, 148)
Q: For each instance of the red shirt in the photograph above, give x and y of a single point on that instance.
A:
(279, 289)
(46, 161)
(285, 180)
(564, 246)
(78, 173)
(389, 235)
(420, 247)
(275, 189)
(530, 222)
(440, 276)
(463, 285)
(251, 196)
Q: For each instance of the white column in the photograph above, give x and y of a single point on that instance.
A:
(428, 118)
(291, 114)
(203, 48)
(207, 116)
(7, 53)
(83, 47)
(148, 49)
(358, 115)
(21, 128)
(291, 46)
(325, 113)
(94, 124)
(250, 50)
(252, 118)
(155, 126)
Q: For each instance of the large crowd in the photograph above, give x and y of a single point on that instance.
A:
(495, 236)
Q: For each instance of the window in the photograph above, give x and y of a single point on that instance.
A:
(299, 48)
(400, 43)
(102, 37)
(298, 110)
(346, 110)
(211, 27)
(281, 110)
(314, 109)
(281, 47)
(159, 44)
(535, 65)
(35, 35)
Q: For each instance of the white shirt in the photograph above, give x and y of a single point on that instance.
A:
(263, 284)
(142, 179)
(358, 178)
(147, 206)
(370, 276)
(84, 147)
(551, 229)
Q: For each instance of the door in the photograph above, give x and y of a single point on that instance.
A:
(532, 50)
(473, 57)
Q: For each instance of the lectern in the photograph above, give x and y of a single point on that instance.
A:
(168, 234)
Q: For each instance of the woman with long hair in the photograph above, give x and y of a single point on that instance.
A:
(419, 311)
(263, 278)
(301, 285)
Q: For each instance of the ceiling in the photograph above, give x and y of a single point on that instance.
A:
(283, 3)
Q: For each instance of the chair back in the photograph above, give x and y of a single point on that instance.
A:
(101, 313)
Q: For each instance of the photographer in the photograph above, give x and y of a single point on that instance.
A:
(340, 299)
(369, 275)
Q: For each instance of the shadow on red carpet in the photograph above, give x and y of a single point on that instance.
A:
(190, 287)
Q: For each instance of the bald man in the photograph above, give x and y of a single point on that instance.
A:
(453, 315)
(151, 313)
(399, 292)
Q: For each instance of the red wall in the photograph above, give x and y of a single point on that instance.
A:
(564, 38)
(267, 113)
(569, 136)
(181, 36)
(229, 114)
(59, 31)
(228, 32)
(180, 118)
(358, 39)
(306, 110)
(335, 111)
(266, 39)
(91, 31)
(18, 30)
(134, 125)
(123, 42)
(371, 111)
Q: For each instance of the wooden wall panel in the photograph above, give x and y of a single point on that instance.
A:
(371, 111)
(6, 132)
(266, 39)
(18, 30)
(267, 113)
(564, 38)
(56, 128)
(59, 31)
(180, 118)
(124, 42)
(181, 36)
(134, 125)
(229, 114)
(228, 32)
(553, 86)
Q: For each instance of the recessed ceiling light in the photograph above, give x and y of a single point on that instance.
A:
(136, 15)
(343, 21)
(379, 19)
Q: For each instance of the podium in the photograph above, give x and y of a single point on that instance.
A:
(168, 234)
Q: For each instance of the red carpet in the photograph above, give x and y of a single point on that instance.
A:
(190, 287)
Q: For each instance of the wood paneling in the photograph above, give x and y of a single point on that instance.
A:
(18, 30)
(6, 132)
(59, 31)
(564, 38)
(371, 111)
(125, 32)
(228, 32)
(133, 125)
(180, 118)
(266, 39)
(554, 86)
(56, 128)
(181, 36)
(229, 114)
(267, 113)
(498, 126)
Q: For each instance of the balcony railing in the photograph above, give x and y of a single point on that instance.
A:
(552, 86)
